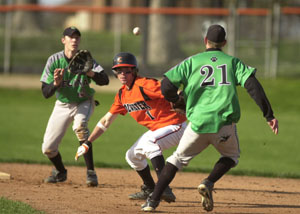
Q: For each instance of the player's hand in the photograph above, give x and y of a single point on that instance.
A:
(58, 76)
(274, 125)
(84, 148)
(179, 106)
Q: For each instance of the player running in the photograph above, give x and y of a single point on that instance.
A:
(212, 107)
(142, 99)
(74, 103)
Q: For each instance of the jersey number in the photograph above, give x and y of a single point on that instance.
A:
(150, 115)
(207, 71)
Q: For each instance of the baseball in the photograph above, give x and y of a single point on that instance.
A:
(136, 31)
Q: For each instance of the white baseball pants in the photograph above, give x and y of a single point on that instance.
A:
(152, 144)
(62, 116)
(191, 144)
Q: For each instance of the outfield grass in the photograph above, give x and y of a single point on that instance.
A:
(24, 115)
(16, 207)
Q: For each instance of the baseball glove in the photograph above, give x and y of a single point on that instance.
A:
(81, 63)
(179, 106)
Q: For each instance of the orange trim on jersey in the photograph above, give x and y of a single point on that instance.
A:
(153, 112)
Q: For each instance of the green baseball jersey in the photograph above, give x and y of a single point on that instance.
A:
(209, 81)
(70, 91)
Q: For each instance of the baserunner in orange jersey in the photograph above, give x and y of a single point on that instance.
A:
(142, 98)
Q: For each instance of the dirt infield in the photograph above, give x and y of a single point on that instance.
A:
(233, 194)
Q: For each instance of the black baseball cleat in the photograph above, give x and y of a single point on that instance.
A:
(91, 178)
(143, 194)
(56, 176)
(150, 205)
(168, 195)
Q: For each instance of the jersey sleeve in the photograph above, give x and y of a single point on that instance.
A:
(151, 89)
(177, 75)
(48, 72)
(243, 72)
(117, 107)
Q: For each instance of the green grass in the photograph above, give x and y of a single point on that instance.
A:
(24, 115)
(16, 207)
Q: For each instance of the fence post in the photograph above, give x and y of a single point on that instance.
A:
(117, 32)
(232, 28)
(275, 40)
(7, 40)
(268, 44)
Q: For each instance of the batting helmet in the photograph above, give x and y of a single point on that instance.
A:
(124, 59)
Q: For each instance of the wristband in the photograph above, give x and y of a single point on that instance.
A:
(88, 143)
(101, 126)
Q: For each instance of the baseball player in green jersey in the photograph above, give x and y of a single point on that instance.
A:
(74, 103)
(209, 81)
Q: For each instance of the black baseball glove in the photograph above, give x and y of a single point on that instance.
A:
(179, 106)
(81, 63)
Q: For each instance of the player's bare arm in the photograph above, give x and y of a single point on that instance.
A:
(102, 125)
(99, 129)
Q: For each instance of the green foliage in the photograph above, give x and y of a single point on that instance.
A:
(24, 116)
(16, 207)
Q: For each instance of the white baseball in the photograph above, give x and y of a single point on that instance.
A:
(136, 31)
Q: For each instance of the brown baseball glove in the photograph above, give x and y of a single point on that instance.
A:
(179, 106)
(81, 63)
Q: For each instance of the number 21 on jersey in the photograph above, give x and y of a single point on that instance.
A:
(208, 72)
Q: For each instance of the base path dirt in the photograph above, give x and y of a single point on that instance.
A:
(233, 194)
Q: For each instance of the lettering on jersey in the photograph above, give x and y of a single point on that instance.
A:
(138, 106)
(68, 83)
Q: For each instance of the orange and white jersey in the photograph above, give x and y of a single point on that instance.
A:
(146, 104)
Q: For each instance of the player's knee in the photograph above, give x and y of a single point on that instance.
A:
(129, 157)
(82, 132)
(49, 152)
(175, 160)
(135, 162)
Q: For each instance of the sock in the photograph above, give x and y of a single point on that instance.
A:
(88, 157)
(146, 177)
(57, 162)
(158, 164)
(223, 165)
(167, 175)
